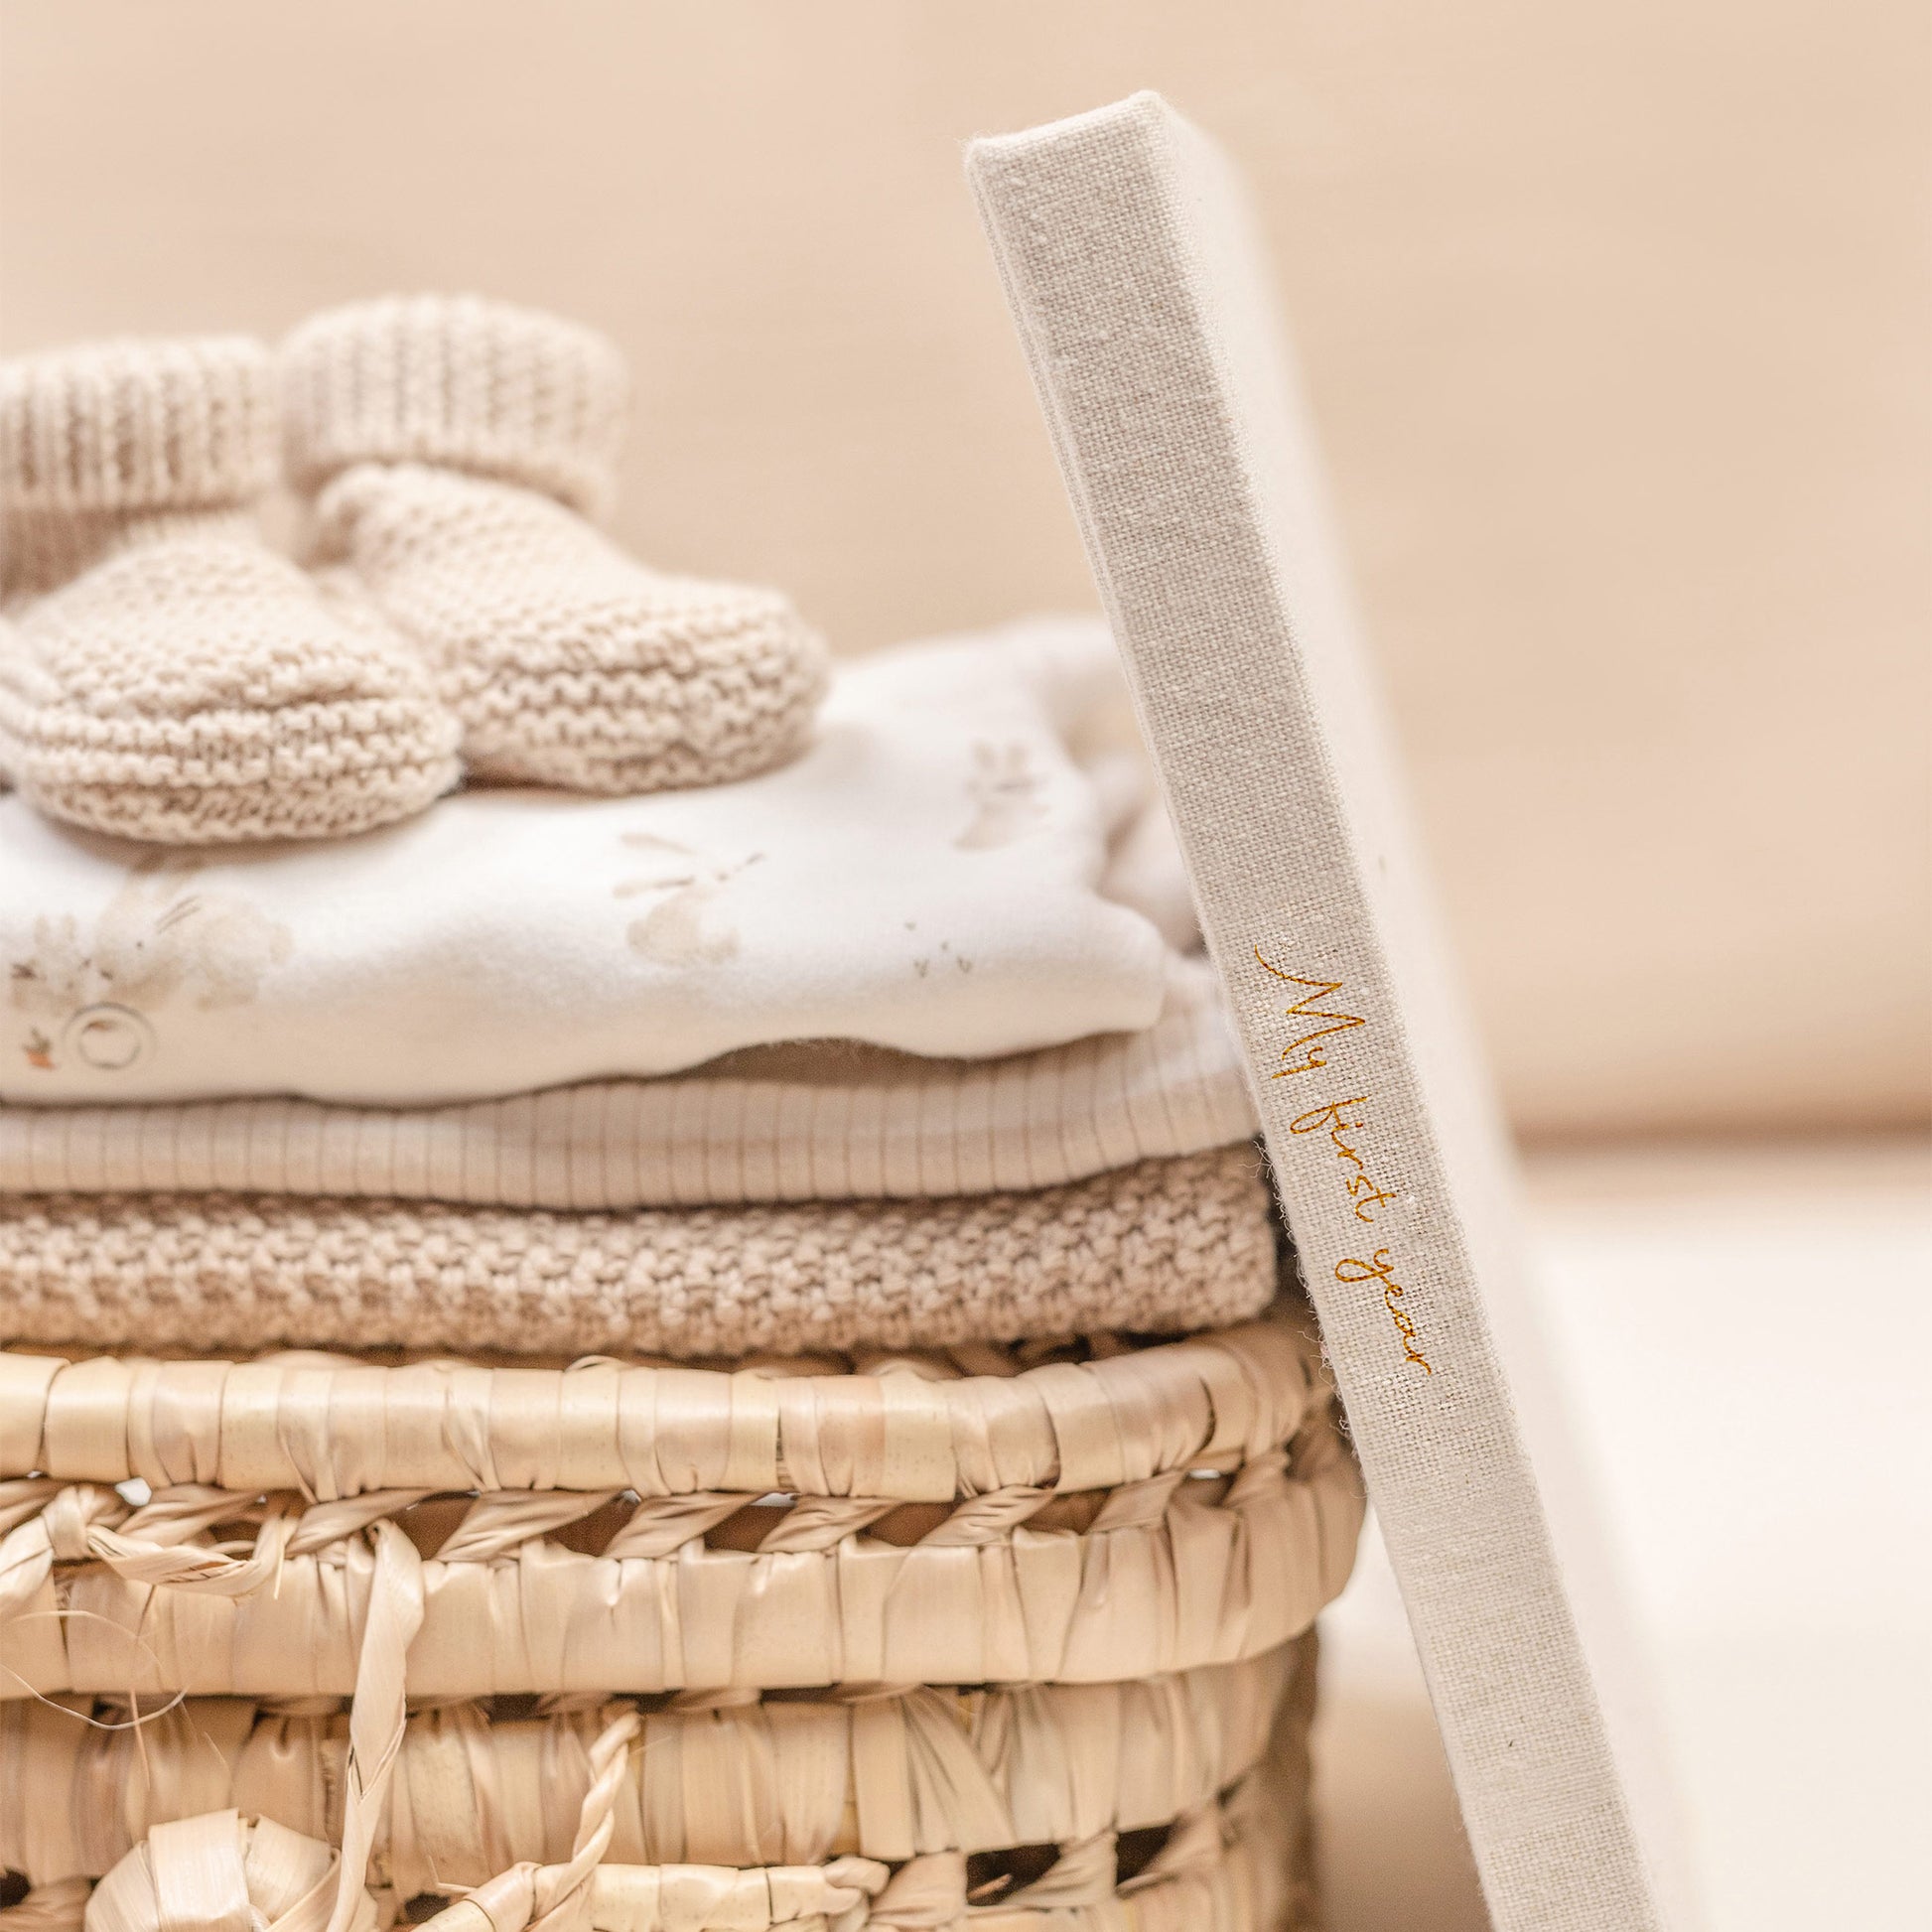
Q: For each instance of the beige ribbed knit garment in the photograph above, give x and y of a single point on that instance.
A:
(811, 1121)
(458, 447)
(1156, 1248)
(163, 673)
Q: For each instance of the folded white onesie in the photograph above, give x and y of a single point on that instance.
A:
(925, 878)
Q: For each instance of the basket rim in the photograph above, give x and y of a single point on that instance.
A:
(914, 1428)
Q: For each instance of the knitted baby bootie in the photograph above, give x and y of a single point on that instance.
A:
(164, 674)
(458, 448)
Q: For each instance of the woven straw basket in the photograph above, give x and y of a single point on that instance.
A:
(998, 1637)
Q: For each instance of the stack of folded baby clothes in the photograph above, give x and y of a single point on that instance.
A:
(685, 1335)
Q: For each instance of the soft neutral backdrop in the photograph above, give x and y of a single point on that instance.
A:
(1615, 320)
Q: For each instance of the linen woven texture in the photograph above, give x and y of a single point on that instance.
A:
(1160, 1247)
(1136, 275)
(164, 674)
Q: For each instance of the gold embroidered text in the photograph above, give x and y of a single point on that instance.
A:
(1318, 1014)
(1382, 1270)
(1307, 1046)
(1363, 1189)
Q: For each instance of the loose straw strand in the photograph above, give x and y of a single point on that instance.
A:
(378, 1712)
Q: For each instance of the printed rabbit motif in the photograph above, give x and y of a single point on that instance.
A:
(690, 927)
(1005, 790)
(92, 997)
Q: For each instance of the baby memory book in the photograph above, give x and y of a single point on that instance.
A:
(1138, 291)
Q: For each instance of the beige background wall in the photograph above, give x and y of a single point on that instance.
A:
(1615, 320)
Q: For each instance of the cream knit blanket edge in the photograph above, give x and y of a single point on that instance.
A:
(1160, 1247)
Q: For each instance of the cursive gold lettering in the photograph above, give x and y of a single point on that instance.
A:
(1362, 1190)
(1382, 1270)
(1311, 1055)
(1345, 1126)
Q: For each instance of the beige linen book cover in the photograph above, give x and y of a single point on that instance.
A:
(1139, 288)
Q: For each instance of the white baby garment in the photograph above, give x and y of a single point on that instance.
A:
(925, 878)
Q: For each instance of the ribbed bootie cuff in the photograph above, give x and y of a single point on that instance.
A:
(458, 381)
(138, 426)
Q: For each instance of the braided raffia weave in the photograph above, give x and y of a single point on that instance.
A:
(737, 1780)
(933, 1426)
(1225, 1868)
(229, 1592)
(1134, 1535)
(1237, 1861)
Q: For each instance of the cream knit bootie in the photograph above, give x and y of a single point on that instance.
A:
(458, 447)
(165, 674)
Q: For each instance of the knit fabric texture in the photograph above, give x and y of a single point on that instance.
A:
(459, 383)
(163, 673)
(1161, 1247)
(826, 1120)
(455, 447)
(925, 878)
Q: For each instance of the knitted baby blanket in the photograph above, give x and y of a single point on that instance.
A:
(925, 878)
(1160, 1247)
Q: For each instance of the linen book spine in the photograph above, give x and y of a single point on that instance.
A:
(1139, 297)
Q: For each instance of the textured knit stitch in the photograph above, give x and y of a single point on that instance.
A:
(164, 674)
(460, 383)
(454, 447)
(813, 1120)
(1158, 1248)
(923, 878)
